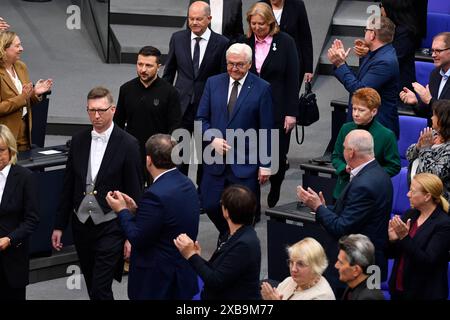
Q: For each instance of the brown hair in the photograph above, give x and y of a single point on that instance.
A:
(446, 37)
(265, 11)
(441, 109)
(100, 92)
(368, 97)
(386, 31)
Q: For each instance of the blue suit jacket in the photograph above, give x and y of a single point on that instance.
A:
(363, 207)
(179, 62)
(378, 70)
(253, 110)
(168, 207)
(233, 270)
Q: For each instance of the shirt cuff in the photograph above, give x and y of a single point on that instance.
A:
(265, 171)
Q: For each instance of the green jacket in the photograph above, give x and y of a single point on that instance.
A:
(386, 153)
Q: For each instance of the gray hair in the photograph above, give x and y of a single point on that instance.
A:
(204, 4)
(361, 141)
(239, 48)
(359, 250)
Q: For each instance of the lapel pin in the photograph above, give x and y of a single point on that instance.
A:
(274, 46)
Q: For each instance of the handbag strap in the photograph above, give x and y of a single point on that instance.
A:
(303, 134)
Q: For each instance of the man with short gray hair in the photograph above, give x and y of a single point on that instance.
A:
(364, 206)
(356, 255)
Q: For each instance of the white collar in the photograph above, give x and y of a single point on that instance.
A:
(358, 169)
(241, 82)
(204, 36)
(6, 170)
(107, 132)
(161, 174)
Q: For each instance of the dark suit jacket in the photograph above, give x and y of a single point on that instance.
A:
(425, 110)
(120, 170)
(363, 207)
(179, 62)
(11, 103)
(378, 70)
(279, 69)
(294, 21)
(232, 27)
(18, 219)
(232, 273)
(426, 257)
(168, 208)
(253, 110)
(361, 292)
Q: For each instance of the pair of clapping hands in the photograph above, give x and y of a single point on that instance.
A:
(337, 54)
(39, 88)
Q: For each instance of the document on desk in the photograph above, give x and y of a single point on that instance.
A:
(49, 152)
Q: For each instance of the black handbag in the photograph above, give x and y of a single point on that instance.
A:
(308, 111)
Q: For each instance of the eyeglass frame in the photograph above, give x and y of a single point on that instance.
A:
(438, 51)
(100, 111)
(238, 65)
(298, 264)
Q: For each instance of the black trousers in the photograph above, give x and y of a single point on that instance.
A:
(6, 291)
(284, 140)
(100, 251)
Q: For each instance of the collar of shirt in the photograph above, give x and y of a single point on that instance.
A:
(108, 132)
(204, 36)
(231, 83)
(356, 170)
(445, 75)
(161, 174)
(5, 171)
(266, 41)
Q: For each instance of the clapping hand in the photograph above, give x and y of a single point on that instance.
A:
(426, 139)
(3, 25)
(400, 228)
(337, 53)
(27, 90)
(42, 86)
(408, 97)
(270, 293)
(423, 92)
(360, 48)
(187, 246)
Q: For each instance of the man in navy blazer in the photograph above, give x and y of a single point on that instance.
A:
(378, 70)
(237, 100)
(365, 204)
(170, 206)
(438, 86)
(190, 78)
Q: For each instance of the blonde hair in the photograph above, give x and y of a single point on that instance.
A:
(265, 11)
(8, 138)
(311, 253)
(433, 185)
(6, 39)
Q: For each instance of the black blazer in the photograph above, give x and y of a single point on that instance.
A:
(426, 257)
(294, 21)
(179, 62)
(121, 169)
(425, 110)
(18, 219)
(232, 27)
(279, 69)
(361, 292)
(232, 273)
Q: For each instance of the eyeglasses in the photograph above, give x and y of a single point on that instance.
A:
(238, 65)
(415, 191)
(365, 30)
(298, 264)
(100, 111)
(438, 51)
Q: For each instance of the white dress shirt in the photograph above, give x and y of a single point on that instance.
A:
(356, 170)
(217, 15)
(277, 13)
(19, 87)
(3, 176)
(98, 148)
(161, 174)
(231, 84)
(203, 43)
(444, 80)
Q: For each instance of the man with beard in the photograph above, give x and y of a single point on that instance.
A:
(148, 104)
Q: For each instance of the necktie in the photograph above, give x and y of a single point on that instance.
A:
(233, 98)
(196, 57)
(98, 136)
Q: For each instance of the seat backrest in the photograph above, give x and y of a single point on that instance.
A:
(410, 128)
(400, 201)
(439, 6)
(423, 70)
(436, 23)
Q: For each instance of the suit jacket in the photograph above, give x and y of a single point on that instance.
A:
(168, 208)
(11, 102)
(253, 110)
(294, 21)
(279, 69)
(18, 219)
(232, 27)
(426, 257)
(361, 292)
(425, 110)
(363, 207)
(179, 62)
(232, 273)
(378, 70)
(120, 170)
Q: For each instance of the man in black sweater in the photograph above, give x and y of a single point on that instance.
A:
(148, 104)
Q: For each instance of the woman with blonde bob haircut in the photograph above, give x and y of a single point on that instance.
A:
(18, 219)
(420, 243)
(307, 262)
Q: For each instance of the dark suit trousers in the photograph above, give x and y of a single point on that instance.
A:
(100, 251)
(6, 291)
(188, 124)
(212, 188)
(284, 140)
